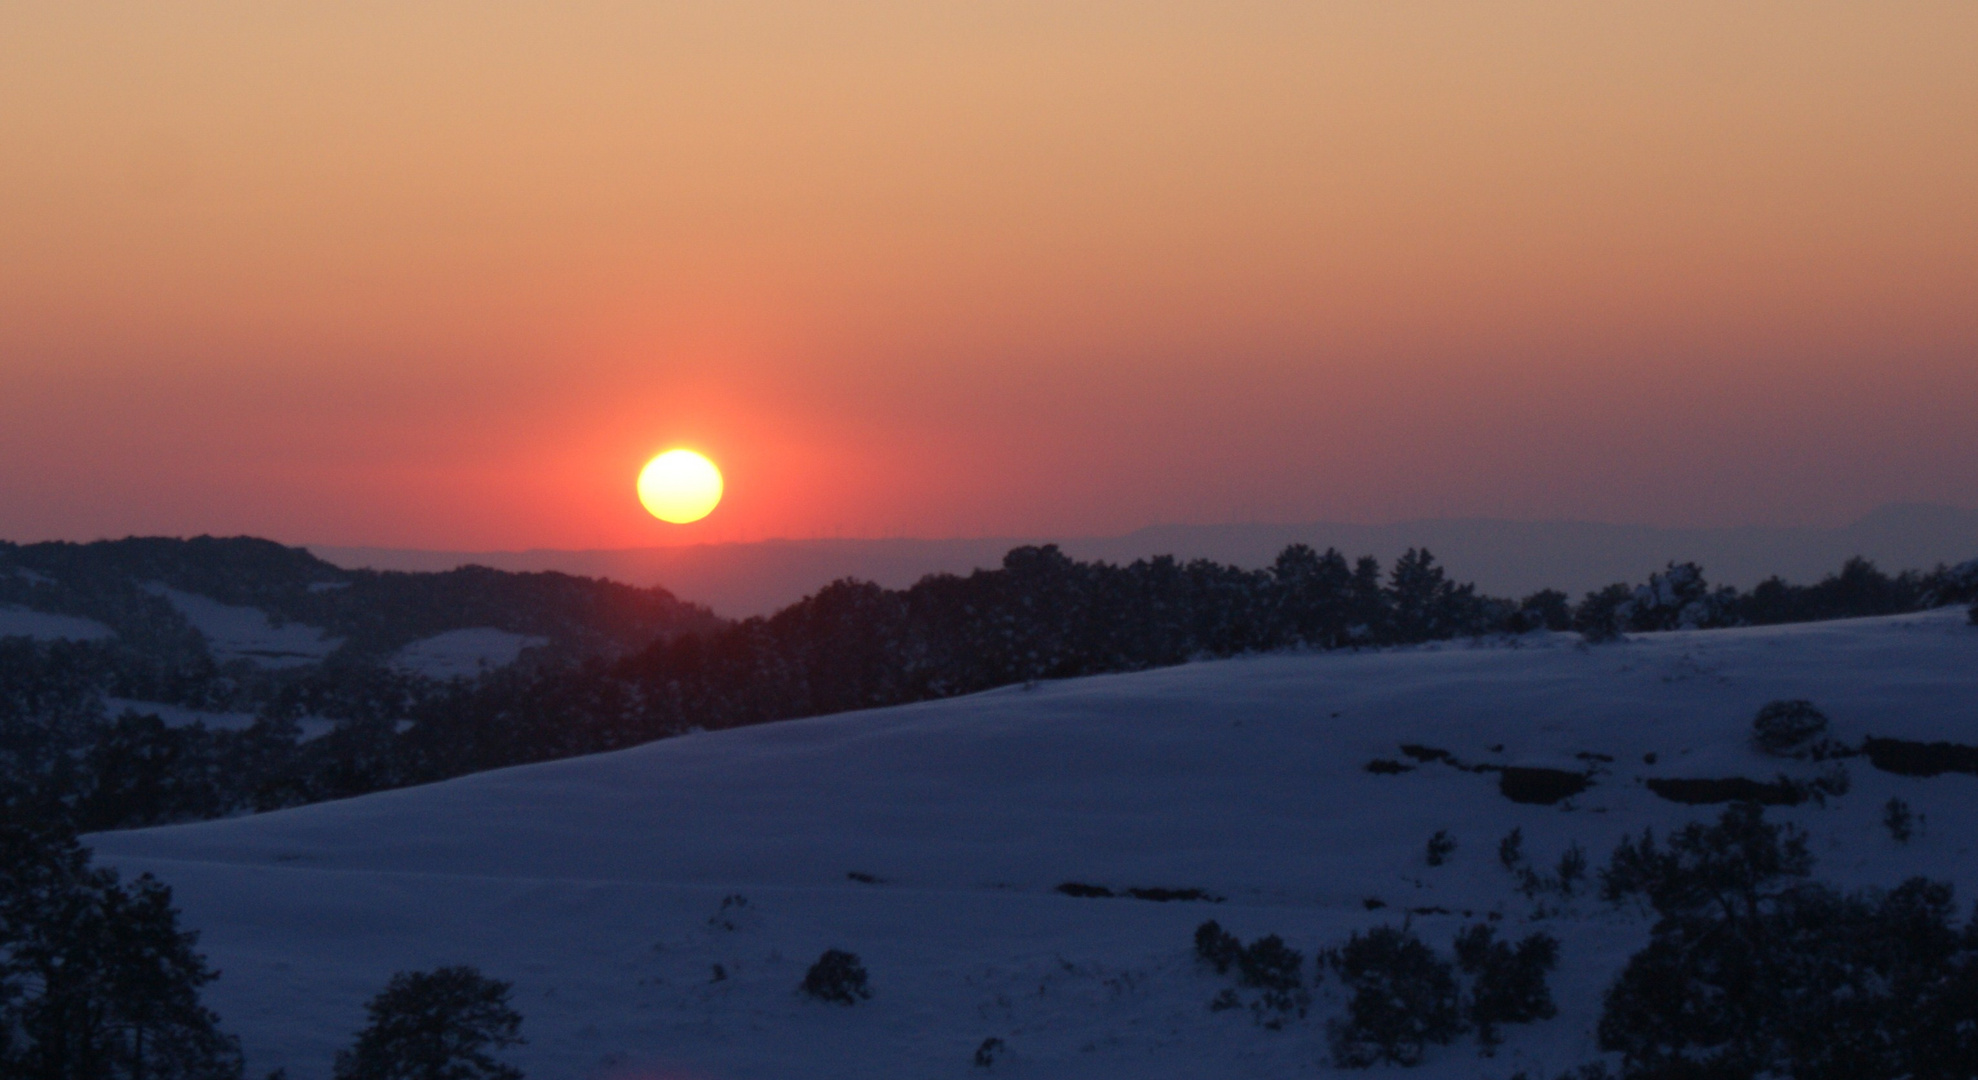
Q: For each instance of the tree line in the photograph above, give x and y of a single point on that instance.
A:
(851, 645)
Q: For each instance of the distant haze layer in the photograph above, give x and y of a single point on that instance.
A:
(1509, 558)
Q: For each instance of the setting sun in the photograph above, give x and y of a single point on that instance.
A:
(680, 486)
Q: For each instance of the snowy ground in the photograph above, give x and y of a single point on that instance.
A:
(42, 626)
(464, 653)
(234, 632)
(596, 884)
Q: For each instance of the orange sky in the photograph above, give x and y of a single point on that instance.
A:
(446, 274)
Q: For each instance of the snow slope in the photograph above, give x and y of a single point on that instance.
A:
(44, 626)
(596, 884)
(464, 653)
(234, 632)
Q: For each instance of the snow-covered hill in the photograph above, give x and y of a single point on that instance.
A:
(929, 839)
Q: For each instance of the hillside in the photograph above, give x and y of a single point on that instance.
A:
(597, 884)
(242, 598)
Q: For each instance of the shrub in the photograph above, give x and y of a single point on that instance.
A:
(1277, 970)
(1511, 849)
(1404, 998)
(435, 1025)
(1787, 728)
(1441, 846)
(1507, 982)
(1217, 947)
(1751, 970)
(1738, 863)
(1812, 985)
(837, 977)
(1900, 822)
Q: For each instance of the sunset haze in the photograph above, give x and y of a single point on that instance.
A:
(447, 275)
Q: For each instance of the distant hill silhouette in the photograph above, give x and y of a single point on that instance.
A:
(1508, 558)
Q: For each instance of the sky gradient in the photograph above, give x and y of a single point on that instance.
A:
(446, 274)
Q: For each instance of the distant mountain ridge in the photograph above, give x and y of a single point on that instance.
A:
(1509, 558)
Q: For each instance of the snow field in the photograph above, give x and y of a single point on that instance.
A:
(590, 882)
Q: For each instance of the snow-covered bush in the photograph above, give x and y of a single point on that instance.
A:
(1788, 728)
(837, 977)
(1507, 982)
(435, 1024)
(1404, 998)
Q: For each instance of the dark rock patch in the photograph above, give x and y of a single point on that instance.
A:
(1905, 758)
(1733, 789)
(1384, 767)
(1540, 787)
(1159, 895)
(1162, 896)
(1427, 754)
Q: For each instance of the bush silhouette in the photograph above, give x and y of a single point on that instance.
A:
(1787, 728)
(837, 977)
(1217, 947)
(1507, 982)
(1404, 998)
(435, 1025)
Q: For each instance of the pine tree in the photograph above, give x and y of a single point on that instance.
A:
(435, 1025)
(97, 981)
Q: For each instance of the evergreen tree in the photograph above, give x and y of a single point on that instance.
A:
(97, 981)
(435, 1025)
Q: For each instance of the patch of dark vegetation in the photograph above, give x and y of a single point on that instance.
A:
(734, 910)
(96, 977)
(1540, 786)
(1788, 728)
(1385, 767)
(435, 1024)
(837, 977)
(1565, 879)
(1899, 820)
(1404, 999)
(1217, 947)
(1590, 756)
(1441, 846)
(1507, 982)
(1905, 758)
(1753, 970)
(991, 1049)
(1157, 894)
(864, 878)
(1162, 896)
(1267, 965)
(1426, 754)
(1373, 903)
(1732, 789)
